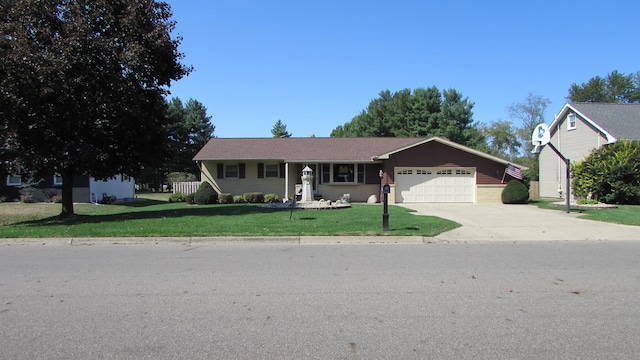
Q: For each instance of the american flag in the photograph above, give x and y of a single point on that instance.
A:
(514, 171)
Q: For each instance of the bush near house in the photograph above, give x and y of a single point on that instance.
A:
(610, 174)
(253, 197)
(271, 198)
(238, 199)
(515, 193)
(225, 198)
(177, 197)
(205, 195)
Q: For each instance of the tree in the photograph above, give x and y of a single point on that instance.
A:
(418, 113)
(529, 113)
(614, 88)
(280, 130)
(189, 128)
(83, 85)
(502, 139)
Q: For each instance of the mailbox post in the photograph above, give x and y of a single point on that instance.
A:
(386, 189)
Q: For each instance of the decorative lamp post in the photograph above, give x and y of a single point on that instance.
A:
(386, 189)
(307, 190)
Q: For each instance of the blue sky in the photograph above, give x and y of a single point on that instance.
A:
(316, 64)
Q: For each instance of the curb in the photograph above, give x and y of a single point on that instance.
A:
(221, 240)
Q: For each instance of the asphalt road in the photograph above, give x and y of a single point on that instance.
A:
(526, 300)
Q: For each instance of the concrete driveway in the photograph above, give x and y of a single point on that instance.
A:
(499, 222)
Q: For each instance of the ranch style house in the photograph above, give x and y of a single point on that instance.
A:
(418, 170)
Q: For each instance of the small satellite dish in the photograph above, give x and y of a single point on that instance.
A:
(541, 135)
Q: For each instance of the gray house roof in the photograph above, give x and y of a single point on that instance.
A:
(616, 120)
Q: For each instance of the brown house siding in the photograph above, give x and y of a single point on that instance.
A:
(435, 154)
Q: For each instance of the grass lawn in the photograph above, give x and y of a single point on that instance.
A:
(623, 214)
(156, 217)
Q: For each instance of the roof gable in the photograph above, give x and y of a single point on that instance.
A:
(613, 121)
(454, 145)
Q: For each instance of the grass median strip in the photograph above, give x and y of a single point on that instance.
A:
(154, 218)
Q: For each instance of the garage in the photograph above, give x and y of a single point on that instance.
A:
(446, 185)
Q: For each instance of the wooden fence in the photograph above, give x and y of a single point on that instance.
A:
(187, 187)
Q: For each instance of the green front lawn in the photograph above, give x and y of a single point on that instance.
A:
(623, 214)
(155, 218)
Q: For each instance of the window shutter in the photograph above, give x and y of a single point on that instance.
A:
(260, 170)
(220, 171)
(241, 171)
(282, 170)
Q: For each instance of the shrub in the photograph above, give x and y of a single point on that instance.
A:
(3, 198)
(189, 198)
(587, 202)
(26, 199)
(253, 197)
(610, 173)
(238, 199)
(225, 198)
(205, 194)
(271, 198)
(177, 197)
(515, 193)
(56, 199)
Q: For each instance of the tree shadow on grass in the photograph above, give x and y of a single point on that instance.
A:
(195, 210)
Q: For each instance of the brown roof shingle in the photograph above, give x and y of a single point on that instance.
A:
(301, 149)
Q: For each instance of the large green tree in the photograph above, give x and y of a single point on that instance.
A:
(420, 113)
(83, 85)
(614, 88)
(188, 129)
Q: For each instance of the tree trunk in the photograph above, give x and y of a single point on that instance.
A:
(67, 194)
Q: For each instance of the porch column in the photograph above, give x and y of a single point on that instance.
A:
(286, 180)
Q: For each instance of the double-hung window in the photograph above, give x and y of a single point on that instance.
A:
(571, 121)
(271, 170)
(57, 179)
(231, 171)
(14, 180)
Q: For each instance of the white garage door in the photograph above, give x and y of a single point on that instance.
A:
(415, 185)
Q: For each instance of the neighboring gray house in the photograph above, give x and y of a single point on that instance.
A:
(576, 131)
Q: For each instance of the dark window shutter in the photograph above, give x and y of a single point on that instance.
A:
(220, 171)
(260, 170)
(241, 171)
(282, 170)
